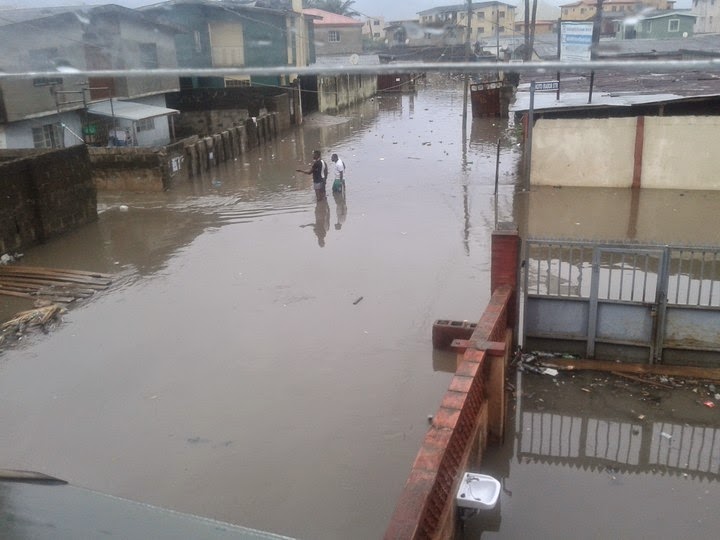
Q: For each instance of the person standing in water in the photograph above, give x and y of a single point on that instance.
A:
(318, 170)
(339, 183)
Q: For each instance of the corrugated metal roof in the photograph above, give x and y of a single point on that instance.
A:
(579, 100)
(129, 110)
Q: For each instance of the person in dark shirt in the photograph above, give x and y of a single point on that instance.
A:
(318, 170)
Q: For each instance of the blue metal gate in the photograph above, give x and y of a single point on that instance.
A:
(633, 303)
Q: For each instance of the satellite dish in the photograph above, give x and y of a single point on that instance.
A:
(354, 59)
(684, 34)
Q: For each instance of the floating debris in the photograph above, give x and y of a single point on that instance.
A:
(56, 285)
(41, 317)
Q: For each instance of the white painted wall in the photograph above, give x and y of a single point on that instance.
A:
(160, 136)
(679, 152)
(583, 152)
(19, 134)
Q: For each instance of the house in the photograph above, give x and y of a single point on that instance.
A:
(657, 25)
(583, 10)
(237, 34)
(335, 34)
(708, 16)
(487, 21)
(373, 28)
(53, 111)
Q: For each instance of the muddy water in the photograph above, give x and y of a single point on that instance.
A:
(264, 360)
(592, 455)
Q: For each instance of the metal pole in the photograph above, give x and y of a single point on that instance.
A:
(531, 120)
(559, 44)
(466, 85)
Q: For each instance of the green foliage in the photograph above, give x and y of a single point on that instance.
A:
(341, 7)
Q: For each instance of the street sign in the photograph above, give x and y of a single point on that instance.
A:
(547, 85)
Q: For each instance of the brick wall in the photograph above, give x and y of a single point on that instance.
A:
(43, 195)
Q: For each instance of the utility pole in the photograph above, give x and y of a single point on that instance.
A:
(468, 33)
(597, 30)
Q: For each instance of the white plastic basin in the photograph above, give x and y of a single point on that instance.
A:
(478, 491)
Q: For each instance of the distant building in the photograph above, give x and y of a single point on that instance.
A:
(708, 16)
(487, 20)
(657, 25)
(583, 10)
(335, 34)
(374, 28)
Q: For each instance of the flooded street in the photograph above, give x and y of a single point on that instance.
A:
(231, 372)
(593, 455)
(267, 361)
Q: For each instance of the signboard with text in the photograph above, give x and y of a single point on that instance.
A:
(575, 41)
(547, 85)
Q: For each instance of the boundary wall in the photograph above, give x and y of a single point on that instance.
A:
(472, 412)
(670, 152)
(44, 194)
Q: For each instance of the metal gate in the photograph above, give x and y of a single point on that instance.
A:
(650, 304)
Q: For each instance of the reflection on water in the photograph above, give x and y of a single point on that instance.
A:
(588, 453)
(241, 378)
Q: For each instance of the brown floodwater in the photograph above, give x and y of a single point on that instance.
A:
(231, 371)
(265, 360)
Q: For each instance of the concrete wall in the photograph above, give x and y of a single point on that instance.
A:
(338, 92)
(676, 152)
(43, 194)
(128, 169)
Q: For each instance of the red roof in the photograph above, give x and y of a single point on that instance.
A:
(331, 19)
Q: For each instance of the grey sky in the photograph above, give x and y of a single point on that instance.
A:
(391, 9)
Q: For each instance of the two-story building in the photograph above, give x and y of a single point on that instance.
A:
(583, 10)
(373, 28)
(708, 16)
(56, 109)
(335, 34)
(487, 21)
(237, 34)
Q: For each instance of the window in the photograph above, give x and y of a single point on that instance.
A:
(376, 23)
(148, 55)
(48, 136)
(674, 25)
(614, 8)
(481, 15)
(145, 124)
(648, 26)
(198, 42)
(501, 14)
(481, 30)
(376, 35)
(334, 36)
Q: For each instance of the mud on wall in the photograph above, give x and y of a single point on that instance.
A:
(44, 194)
(677, 152)
(135, 169)
(340, 91)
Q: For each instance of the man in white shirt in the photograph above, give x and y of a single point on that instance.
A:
(339, 183)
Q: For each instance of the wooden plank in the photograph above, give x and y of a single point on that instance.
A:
(690, 372)
(58, 270)
(58, 278)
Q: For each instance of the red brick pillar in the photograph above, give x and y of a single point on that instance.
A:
(505, 263)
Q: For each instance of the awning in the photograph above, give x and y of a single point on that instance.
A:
(129, 110)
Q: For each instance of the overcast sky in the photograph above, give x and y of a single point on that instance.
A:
(391, 9)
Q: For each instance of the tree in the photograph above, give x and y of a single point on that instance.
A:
(341, 7)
